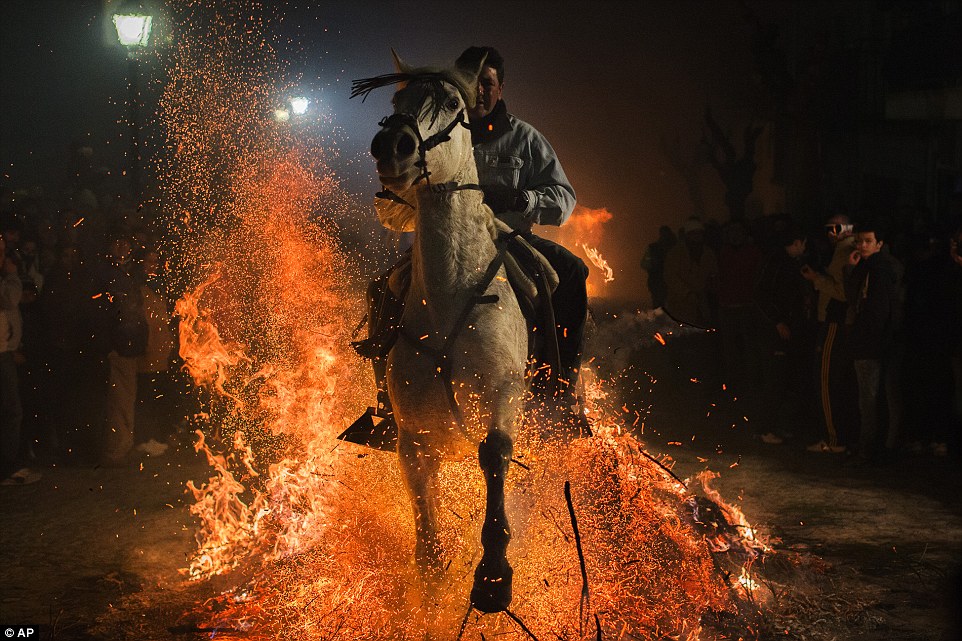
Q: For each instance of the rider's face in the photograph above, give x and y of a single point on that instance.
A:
(489, 93)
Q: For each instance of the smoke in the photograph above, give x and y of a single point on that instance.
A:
(614, 342)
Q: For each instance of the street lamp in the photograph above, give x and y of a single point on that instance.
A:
(133, 28)
(133, 25)
(299, 105)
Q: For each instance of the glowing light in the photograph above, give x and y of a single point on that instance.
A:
(299, 105)
(282, 115)
(133, 30)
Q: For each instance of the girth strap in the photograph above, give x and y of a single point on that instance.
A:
(442, 356)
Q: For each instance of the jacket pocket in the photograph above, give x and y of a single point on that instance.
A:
(495, 169)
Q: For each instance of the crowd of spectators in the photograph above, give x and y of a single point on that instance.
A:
(87, 336)
(846, 338)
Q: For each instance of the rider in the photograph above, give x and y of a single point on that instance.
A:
(524, 185)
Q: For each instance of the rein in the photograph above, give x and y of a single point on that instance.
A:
(424, 146)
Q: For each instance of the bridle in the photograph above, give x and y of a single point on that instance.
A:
(442, 355)
(402, 119)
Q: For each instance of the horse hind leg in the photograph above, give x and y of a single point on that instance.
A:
(420, 471)
(492, 578)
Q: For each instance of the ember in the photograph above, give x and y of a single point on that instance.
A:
(313, 534)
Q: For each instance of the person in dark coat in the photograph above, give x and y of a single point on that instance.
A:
(872, 294)
(653, 262)
(127, 321)
(785, 300)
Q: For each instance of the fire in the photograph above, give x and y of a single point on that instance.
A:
(206, 357)
(744, 537)
(314, 537)
(585, 229)
(586, 226)
(598, 261)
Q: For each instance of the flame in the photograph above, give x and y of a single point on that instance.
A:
(586, 225)
(598, 261)
(746, 539)
(314, 537)
(585, 229)
(207, 358)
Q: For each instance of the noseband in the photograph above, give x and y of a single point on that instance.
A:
(399, 120)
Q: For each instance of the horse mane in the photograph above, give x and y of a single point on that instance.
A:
(433, 81)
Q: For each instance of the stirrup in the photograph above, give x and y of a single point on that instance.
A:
(381, 436)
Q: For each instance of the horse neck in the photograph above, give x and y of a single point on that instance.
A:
(453, 242)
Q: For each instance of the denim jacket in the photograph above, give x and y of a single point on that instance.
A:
(521, 157)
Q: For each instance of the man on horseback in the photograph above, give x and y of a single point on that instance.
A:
(523, 184)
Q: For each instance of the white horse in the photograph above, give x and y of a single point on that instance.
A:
(456, 376)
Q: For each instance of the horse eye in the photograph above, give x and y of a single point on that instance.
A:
(452, 104)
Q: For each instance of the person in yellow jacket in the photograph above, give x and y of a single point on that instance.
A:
(836, 376)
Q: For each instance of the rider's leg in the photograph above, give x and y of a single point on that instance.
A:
(384, 314)
(383, 408)
(570, 305)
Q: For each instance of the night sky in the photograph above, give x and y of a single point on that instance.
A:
(604, 81)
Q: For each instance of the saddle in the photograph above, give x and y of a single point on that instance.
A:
(533, 280)
(529, 273)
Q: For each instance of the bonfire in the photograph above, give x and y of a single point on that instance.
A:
(302, 536)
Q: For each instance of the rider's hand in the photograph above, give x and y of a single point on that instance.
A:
(501, 198)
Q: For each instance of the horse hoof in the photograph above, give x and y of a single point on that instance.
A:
(492, 586)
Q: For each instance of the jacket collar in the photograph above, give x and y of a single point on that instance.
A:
(492, 126)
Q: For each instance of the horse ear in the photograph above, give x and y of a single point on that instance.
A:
(399, 65)
(467, 68)
(470, 64)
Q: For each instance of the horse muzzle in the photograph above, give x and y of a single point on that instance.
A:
(395, 150)
(395, 143)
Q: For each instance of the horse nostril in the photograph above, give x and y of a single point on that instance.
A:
(377, 146)
(405, 145)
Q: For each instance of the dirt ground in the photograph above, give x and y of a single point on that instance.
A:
(866, 553)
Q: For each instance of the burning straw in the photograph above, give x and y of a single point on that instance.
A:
(314, 536)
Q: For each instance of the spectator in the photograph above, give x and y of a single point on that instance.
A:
(127, 324)
(691, 269)
(927, 359)
(11, 411)
(954, 287)
(653, 262)
(872, 294)
(738, 263)
(836, 378)
(156, 407)
(71, 349)
(785, 301)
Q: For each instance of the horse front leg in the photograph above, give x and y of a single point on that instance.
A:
(492, 578)
(420, 471)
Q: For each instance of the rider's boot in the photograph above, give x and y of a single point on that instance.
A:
(381, 435)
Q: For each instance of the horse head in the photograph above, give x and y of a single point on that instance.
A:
(426, 138)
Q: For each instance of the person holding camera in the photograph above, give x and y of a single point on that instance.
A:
(836, 377)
